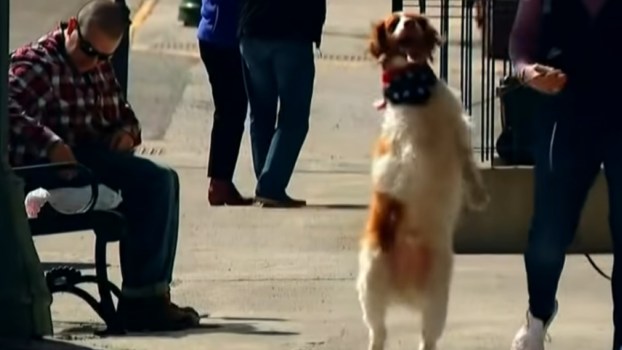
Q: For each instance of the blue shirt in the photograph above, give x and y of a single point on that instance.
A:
(219, 22)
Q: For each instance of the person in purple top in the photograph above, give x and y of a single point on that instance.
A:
(566, 50)
(219, 48)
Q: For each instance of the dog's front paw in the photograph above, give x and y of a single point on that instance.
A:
(380, 104)
(478, 200)
(427, 345)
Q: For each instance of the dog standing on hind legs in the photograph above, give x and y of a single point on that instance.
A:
(423, 171)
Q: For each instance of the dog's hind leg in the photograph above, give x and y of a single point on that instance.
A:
(374, 313)
(373, 300)
(433, 323)
(434, 313)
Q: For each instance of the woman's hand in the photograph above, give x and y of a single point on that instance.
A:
(543, 78)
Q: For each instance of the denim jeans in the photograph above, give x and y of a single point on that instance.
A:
(151, 206)
(573, 141)
(279, 72)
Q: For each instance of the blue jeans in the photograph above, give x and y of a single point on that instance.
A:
(279, 71)
(573, 141)
(151, 207)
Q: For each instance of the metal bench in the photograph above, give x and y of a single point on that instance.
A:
(108, 226)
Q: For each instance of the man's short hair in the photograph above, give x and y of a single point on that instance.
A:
(111, 17)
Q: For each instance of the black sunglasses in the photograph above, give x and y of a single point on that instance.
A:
(89, 50)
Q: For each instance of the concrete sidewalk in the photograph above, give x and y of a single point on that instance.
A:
(284, 279)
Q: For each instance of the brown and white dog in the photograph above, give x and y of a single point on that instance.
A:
(423, 171)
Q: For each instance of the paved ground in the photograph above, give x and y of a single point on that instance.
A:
(284, 279)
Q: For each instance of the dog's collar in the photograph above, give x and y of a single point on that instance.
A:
(410, 85)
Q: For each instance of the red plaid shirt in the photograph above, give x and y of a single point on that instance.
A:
(50, 101)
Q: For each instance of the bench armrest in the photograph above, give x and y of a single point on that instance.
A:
(48, 176)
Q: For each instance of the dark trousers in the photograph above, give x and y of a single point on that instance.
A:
(573, 141)
(224, 69)
(151, 206)
(278, 72)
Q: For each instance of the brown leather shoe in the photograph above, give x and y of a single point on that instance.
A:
(156, 314)
(224, 193)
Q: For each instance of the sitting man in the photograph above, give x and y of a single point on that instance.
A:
(66, 105)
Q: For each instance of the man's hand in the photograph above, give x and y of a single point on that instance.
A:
(545, 79)
(122, 141)
(61, 153)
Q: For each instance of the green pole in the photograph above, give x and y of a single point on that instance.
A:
(189, 12)
(24, 297)
(397, 5)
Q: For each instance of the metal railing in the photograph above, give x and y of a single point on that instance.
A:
(472, 59)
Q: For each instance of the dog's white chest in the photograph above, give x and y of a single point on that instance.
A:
(400, 175)
(422, 161)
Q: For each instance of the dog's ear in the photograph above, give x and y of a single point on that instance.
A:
(431, 37)
(378, 40)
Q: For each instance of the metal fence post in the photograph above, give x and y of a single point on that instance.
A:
(397, 5)
(24, 297)
(121, 59)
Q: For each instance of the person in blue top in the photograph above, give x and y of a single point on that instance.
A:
(220, 53)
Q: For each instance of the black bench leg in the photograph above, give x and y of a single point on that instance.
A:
(66, 279)
(106, 289)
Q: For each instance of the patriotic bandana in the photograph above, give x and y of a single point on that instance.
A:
(411, 85)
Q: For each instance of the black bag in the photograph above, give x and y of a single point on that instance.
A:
(519, 104)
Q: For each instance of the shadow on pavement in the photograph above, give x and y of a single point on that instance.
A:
(337, 206)
(6, 344)
(257, 319)
(319, 206)
(230, 328)
(244, 328)
(48, 265)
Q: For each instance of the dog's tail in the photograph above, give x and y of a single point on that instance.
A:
(385, 216)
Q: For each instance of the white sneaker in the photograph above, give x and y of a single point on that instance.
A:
(532, 334)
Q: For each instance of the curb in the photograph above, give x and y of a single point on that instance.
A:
(190, 49)
(144, 9)
(453, 41)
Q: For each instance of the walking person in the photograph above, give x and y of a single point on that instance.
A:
(276, 41)
(220, 53)
(560, 47)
